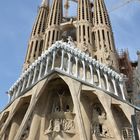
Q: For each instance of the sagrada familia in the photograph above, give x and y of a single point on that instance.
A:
(72, 86)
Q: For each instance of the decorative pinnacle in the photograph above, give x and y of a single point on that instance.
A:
(45, 2)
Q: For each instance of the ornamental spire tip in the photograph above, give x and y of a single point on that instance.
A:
(45, 2)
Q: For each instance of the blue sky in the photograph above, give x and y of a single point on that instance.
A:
(16, 21)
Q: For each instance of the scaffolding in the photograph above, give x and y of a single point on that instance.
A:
(126, 68)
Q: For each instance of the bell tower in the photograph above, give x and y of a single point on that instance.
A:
(36, 41)
(64, 93)
(103, 36)
(53, 27)
(84, 20)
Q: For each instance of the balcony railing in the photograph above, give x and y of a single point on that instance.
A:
(65, 58)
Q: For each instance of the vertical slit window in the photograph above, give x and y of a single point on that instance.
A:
(35, 49)
(41, 47)
(31, 47)
(99, 35)
(103, 35)
(88, 35)
(53, 36)
(109, 40)
(79, 33)
(84, 39)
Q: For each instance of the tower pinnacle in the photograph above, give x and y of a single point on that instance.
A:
(45, 2)
(53, 32)
(36, 42)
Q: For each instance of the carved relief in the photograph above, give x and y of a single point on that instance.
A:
(61, 118)
(99, 125)
(59, 125)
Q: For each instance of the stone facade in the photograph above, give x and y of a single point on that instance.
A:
(64, 92)
(136, 88)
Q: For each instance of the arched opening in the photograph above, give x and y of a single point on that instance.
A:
(103, 81)
(111, 86)
(88, 74)
(18, 117)
(95, 77)
(65, 63)
(40, 48)
(37, 73)
(118, 89)
(80, 69)
(122, 122)
(58, 59)
(3, 119)
(55, 108)
(50, 58)
(2, 122)
(73, 67)
(42, 72)
(60, 111)
(96, 122)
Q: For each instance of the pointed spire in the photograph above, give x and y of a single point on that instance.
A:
(103, 36)
(36, 42)
(53, 31)
(45, 2)
(84, 34)
(101, 13)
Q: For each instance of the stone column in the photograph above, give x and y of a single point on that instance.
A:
(115, 89)
(47, 65)
(40, 71)
(28, 83)
(34, 129)
(84, 71)
(23, 85)
(76, 73)
(99, 77)
(62, 60)
(34, 76)
(122, 91)
(69, 64)
(53, 61)
(75, 93)
(107, 84)
(13, 130)
(91, 73)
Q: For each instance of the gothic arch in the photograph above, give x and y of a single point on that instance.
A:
(4, 118)
(111, 87)
(95, 77)
(95, 117)
(54, 111)
(65, 63)
(73, 67)
(58, 59)
(80, 69)
(88, 73)
(19, 114)
(122, 122)
(103, 81)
